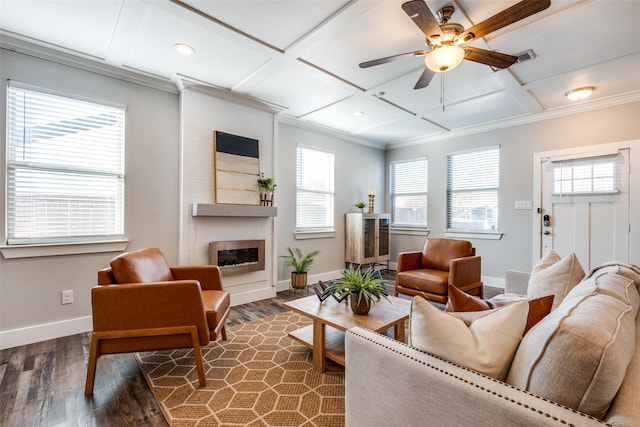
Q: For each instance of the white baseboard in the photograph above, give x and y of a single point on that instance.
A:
(494, 282)
(63, 328)
(284, 285)
(47, 331)
(251, 295)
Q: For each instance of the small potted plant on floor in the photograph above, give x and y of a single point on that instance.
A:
(301, 264)
(364, 289)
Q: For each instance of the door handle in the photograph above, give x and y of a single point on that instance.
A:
(547, 232)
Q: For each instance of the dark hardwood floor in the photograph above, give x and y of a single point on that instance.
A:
(42, 384)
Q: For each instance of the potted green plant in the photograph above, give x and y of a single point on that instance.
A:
(360, 205)
(364, 289)
(268, 185)
(301, 264)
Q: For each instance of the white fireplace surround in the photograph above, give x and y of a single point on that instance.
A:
(205, 110)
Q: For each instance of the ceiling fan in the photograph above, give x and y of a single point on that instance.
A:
(443, 40)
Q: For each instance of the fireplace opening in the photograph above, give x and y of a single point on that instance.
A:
(237, 256)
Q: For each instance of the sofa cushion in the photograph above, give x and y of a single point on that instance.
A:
(143, 266)
(460, 301)
(437, 253)
(486, 345)
(556, 276)
(579, 353)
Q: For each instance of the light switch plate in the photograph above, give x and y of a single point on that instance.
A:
(524, 204)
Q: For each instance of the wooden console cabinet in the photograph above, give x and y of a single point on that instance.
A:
(368, 238)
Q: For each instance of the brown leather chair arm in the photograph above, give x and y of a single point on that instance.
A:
(149, 305)
(465, 271)
(408, 261)
(208, 275)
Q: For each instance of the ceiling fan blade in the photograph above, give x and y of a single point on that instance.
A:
(371, 63)
(424, 19)
(425, 78)
(507, 17)
(488, 57)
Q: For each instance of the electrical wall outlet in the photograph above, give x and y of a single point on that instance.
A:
(524, 204)
(67, 297)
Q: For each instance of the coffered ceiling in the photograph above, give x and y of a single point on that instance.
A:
(301, 57)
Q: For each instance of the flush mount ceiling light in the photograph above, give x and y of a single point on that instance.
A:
(184, 49)
(358, 113)
(580, 93)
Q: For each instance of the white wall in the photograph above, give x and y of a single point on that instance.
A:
(518, 143)
(159, 191)
(30, 308)
(357, 169)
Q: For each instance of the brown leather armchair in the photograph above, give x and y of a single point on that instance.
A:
(142, 304)
(442, 261)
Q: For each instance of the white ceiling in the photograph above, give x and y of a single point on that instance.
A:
(302, 57)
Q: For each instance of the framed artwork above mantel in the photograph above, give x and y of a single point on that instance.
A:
(237, 169)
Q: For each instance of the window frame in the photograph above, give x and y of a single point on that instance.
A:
(472, 232)
(393, 193)
(43, 245)
(328, 229)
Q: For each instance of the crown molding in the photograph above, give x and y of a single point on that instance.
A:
(184, 82)
(49, 52)
(302, 124)
(552, 113)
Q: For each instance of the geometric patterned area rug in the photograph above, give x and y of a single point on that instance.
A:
(258, 377)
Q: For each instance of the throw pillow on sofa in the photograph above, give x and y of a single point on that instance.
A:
(578, 355)
(461, 301)
(556, 276)
(486, 345)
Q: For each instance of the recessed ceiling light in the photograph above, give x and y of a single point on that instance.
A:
(184, 49)
(579, 93)
(358, 113)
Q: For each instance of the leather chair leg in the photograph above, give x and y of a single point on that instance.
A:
(91, 366)
(197, 355)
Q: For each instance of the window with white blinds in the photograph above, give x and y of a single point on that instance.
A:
(592, 175)
(409, 189)
(65, 168)
(473, 180)
(314, 190)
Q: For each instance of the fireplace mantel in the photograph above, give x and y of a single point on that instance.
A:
(208, 209)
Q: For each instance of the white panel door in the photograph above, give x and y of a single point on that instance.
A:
(593, 223)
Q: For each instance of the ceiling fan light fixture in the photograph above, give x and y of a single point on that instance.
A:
(444, 58)
(580, 93)
(184, 49)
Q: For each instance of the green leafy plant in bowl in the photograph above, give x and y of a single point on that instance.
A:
(364, 289)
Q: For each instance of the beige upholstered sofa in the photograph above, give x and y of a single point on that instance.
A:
(389, 383)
